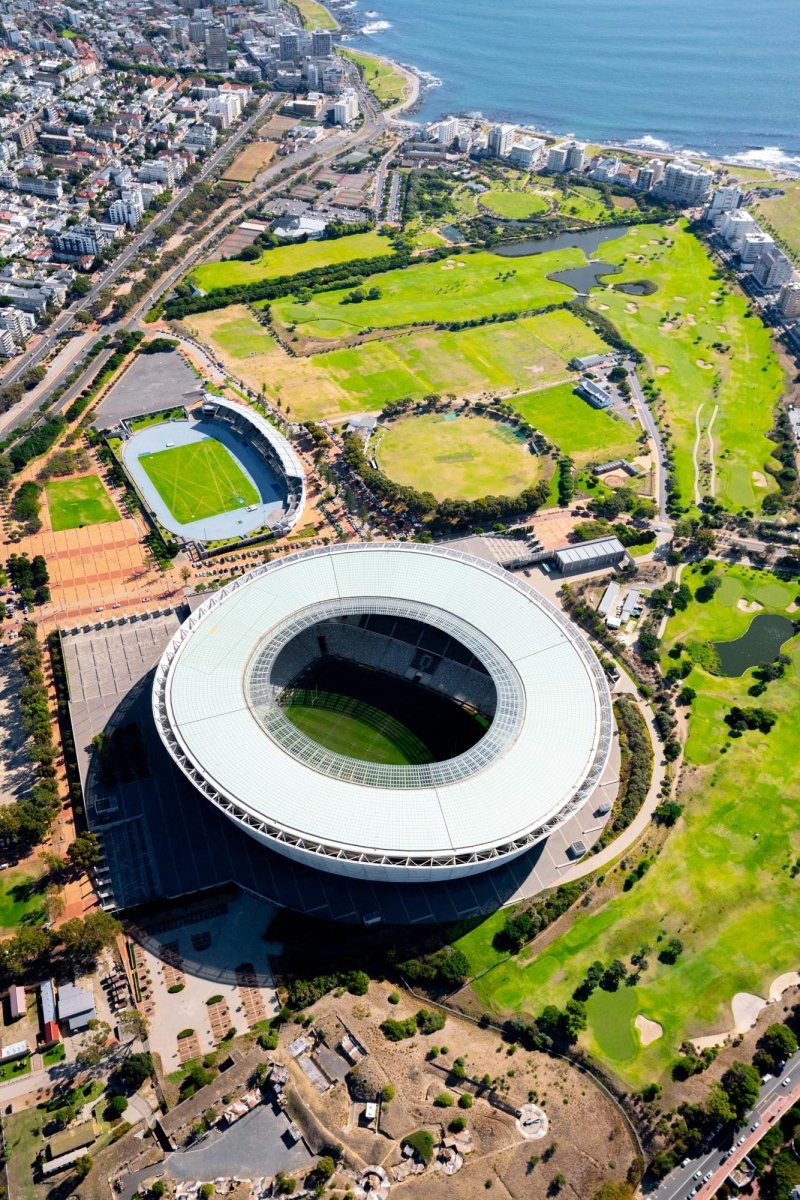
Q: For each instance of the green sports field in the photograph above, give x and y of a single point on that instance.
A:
(587, 434)
(461, 287)
(513, 205)
(464, 458)
(712, 361)
(721, 883)
(504, 358)
(290, 260)
(357, 730)
(73, 503)
(201, 479)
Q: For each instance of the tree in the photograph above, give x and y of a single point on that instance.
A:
(671, 951)
(718, 1104)
(613, 975)
(186, 574)
(779, 1041)
(742, 1084)
(134, 1022)
(325, 1168)
(83, 1165)
(116, 1106)
(84, 852)
(132, 1073)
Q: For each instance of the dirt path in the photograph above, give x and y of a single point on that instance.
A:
(712, 483)
(695, 453)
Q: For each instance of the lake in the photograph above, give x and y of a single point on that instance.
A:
(761, 644)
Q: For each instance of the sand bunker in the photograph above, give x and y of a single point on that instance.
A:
(749, 606)
(603, 307)
(705, 366)
(649, 1031)
(630, 307)
(791, 978)
(665, 326)
(461, 264)
(447, 267)
(759, 479)
(722, 328)
(746, 1009)
(791, 608)
(662, 370)
(680, 299)
(690, 319)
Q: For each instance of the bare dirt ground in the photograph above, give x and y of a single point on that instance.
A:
(587, 1142)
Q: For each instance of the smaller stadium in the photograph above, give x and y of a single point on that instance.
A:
(217, 473)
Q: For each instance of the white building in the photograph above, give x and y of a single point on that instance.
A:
(606, 169)
(345, 107)
(789, 300)
(81, 240)
(735, 225)
(501, 139)
(129, 209)
(161, 170)
(224, 109)
(201, 136)
(15, 328)
(557, 158)
(576, 156)
(526, 152)
(754, 245)
(724, 200)
(685, 184)
(772, 270)
(445, 132)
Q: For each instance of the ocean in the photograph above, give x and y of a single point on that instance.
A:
(721, 77)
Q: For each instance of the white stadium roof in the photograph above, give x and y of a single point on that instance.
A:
(540, 760)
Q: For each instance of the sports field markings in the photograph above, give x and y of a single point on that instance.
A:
(198, 480)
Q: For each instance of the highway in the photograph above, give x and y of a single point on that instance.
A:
(776, 1096)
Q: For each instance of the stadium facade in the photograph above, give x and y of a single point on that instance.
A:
(507, 695)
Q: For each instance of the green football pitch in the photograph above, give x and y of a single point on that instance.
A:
(201, 479)
(74, 503)
(356, 729)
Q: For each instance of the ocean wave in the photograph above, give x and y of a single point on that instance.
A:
(372, 13)
(767, 156)
(649, 143)
(375, 27)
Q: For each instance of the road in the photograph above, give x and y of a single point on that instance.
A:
(649, 424)
(774, 1100)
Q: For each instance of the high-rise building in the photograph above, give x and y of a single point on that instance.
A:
(345, 108)
(753, 245)
(685, 184)
(557, 158)
(789, 300)
(289, 45)
(321, 43)
(772, 269)
(724, 200)
(525, 152)
(501, 139)
(129, 209)
(576, 156)
(444, 132)
(197, 32)
(735, 225)
(216, 47)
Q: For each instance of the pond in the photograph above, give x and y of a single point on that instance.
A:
(761, 644)
(587, 240)
(642, 287)
(582, 279)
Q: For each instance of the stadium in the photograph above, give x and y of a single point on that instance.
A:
(386, 711)
(224, 473)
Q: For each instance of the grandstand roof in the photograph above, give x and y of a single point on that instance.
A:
(290, 463)
(540, 759)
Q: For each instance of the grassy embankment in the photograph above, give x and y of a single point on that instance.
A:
(721, 883)
(290, 260)
(388, 86)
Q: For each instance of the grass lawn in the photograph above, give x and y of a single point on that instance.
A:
(587, 434)
(721, 882)
(388, 86)
(198, 480)
(15, 1069)
(55, 1054)
(22, 901)
(507, 357)
(23, 1141)
(290, 260)
(586, 203)
(74, 503)
(516, 206)
(314, 15)
(464, 458)
(365, 733)
(702, 348)
(462, 287)
(781, 216)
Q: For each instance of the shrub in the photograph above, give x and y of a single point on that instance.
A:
(457, 1125)
(444, 1100)
(214, 999)
(430, 1022)
(388, 1093)
(357, 983)
(465, 1100)
(393, 998)
(176, 987)
(422, 1143)
(396, 1031)
(185, 1033)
